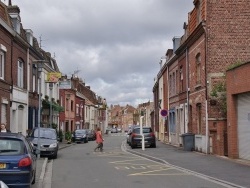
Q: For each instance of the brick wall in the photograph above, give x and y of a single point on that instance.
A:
(237, 81)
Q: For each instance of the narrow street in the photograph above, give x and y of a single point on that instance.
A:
(79, 166)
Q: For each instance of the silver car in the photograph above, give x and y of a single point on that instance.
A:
(48, 141)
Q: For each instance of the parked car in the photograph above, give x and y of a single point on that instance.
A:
(48, 141)
(80, 135)
(17, 160)
(114, 130)
(91, 135)
(135, 139)
(119, 130)
(127, 136)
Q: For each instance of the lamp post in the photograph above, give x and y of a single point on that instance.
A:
(50, 109)
(39, 72)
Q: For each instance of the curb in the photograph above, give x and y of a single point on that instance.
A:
(45, 163)
(40, 181)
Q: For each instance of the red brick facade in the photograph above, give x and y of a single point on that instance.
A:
(215, 38)
(237, 81)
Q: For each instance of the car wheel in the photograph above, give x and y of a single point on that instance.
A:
(132, 146)
(34, 179)
(153, 145)
(55, 156)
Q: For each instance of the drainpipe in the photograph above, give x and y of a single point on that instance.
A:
(169, 138)
(187, 82)
(28, 89)
(206, 83)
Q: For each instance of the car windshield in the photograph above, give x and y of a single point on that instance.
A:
(80, 132)
(45, 133)
(11, 147)
(145, 130)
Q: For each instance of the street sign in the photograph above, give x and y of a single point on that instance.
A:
(164, 112)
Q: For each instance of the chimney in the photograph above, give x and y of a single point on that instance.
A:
(176, 43)
(29, 36)
(14, 12)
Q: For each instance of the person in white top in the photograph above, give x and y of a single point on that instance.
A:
(3, 128)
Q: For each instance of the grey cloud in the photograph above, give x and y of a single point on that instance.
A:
(115, 44)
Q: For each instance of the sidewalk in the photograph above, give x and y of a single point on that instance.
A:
(42, 163)
(232, 171)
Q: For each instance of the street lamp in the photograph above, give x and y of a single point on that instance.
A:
(50, 107)
(39, 72)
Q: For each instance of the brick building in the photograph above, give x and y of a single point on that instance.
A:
(238, 110)
(214, 39)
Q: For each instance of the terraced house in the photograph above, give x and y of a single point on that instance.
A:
(193, 86)
(20, 57)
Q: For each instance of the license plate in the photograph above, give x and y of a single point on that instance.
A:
(2, 165)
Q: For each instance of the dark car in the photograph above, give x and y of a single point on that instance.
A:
(91, 134)
(48, 141)
(80, 135)
(135, 138)
(17, 160)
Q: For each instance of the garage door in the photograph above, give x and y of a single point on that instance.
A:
(243, 108)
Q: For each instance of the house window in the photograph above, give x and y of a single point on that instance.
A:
(34, 72)
(198, 68)
(181, 80)
(67, 104)
(170, 85)
(2, 62)
(174, 92)
(4, 113)
(34, 83)
(77, 109)
(20, 73)
(72, 105)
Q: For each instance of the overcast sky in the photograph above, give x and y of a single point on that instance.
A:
(116, 45)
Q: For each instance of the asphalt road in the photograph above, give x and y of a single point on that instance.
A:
(79, 166)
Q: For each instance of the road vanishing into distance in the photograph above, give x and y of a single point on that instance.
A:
(79, 166)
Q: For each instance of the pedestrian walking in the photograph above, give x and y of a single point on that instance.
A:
(3, 128)
(99, 140)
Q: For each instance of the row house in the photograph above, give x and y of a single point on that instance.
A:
(29, 84)
(145, 110)
(125, 116)
(83, 109)
(19, 71)
(191, 83)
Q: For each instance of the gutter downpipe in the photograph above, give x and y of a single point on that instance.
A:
(206, 82)
(167, 118)
(187, 82)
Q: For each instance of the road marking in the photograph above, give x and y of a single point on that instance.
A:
(152, 171)
(135, 159)
(122, 167)
(138, 168)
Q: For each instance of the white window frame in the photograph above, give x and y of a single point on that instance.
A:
(3, 51)
(20, 73)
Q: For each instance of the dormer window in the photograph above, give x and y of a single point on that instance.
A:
(16, 20)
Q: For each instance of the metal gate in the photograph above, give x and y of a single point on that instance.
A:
(243, 116)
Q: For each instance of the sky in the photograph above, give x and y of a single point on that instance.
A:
(115, 46)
